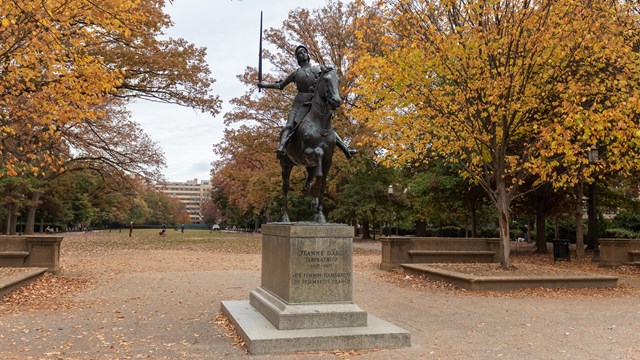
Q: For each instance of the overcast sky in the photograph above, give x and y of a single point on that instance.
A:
(229, 29)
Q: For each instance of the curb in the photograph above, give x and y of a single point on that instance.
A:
(509, 283)
(13, 282)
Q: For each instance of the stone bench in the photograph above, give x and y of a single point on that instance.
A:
(31, 251)
(453, 256)
(13, 258)
(416, 250)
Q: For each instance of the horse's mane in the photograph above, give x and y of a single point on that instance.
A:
(325, 69)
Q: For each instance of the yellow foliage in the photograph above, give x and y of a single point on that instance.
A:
(503, 91)
(53, 73)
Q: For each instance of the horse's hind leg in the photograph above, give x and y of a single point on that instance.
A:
(317, 190)
(321, 184)
(316, 203)
(286, 165)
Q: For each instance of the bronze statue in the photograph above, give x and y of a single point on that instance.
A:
(305, 78)
(309, 138)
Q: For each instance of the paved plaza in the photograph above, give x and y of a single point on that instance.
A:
(162, 304)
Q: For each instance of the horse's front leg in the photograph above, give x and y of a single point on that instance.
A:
(311, 171)
(319, 156)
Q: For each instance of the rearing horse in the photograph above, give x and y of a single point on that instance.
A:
(313, 143)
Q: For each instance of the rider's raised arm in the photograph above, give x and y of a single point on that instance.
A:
(280, 84)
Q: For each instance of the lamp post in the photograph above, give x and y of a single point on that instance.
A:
(592, 210)
(390, 193)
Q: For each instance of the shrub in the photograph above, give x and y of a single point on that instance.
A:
(618, 233)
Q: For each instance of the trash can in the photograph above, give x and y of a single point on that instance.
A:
(561, 250)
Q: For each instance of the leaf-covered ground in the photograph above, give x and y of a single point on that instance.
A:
(87, 258)
(94, 256)
(130, 319)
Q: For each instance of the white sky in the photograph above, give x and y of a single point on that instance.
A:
(229, 29)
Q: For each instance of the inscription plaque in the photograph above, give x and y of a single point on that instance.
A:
(305, 268)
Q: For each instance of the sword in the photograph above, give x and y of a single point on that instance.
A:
(260, 55)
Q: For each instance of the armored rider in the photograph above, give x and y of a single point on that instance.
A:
(305, 78)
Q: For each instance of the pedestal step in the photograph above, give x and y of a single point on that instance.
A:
(306, 316)
(261, 337)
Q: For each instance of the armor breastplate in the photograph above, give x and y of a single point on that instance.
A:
(306, 79)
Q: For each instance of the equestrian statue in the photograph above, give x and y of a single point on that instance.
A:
(308, 138)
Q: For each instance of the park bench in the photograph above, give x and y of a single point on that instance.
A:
(420, 250)
(41, 251)
(615, 252)
(13, 258)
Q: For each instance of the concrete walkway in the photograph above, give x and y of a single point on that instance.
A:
(170, 315)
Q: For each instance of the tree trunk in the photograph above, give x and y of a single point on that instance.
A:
(421, 228)
(474, 221)
(466, 225)
(503, 220)
(541, 231)
(9, 215)
(356, 228)
(31, 214)
(579, 225)
(13, 222)
(366, 234)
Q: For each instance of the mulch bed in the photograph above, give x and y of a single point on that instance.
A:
(526, 264)
(519, 270)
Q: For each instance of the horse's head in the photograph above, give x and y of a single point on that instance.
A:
(331, 84)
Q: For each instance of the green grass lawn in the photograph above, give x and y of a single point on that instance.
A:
(149, 239)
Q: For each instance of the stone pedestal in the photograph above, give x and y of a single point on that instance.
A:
(614, 252)
(304, 302)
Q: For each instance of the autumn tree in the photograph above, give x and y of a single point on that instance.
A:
(496, 87)
(210, 212)
(438, 195)
(88, 197)
(12, 198)
(59, 60)
(68, 69)
(364, 198)
(48, 76)
(504, 89)
(111, 145)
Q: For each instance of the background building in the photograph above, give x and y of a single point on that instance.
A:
(191, 193)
